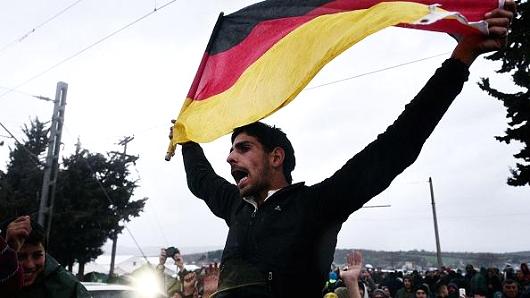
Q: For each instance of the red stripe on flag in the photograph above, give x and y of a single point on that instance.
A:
(222, 70)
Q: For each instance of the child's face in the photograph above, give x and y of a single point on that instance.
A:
(31, 257)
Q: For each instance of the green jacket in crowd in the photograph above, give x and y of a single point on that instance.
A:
(54, 282)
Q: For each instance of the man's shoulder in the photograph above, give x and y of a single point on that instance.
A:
(61, 281)
(292, 188)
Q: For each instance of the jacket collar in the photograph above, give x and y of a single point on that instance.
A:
(274, 193)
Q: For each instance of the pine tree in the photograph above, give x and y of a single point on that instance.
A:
(92, 201)
(516, 62)
(81, 222)
(94, 196)
(20, 186)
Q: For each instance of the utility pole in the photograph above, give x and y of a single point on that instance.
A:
(438, 250)
(114, 235)
(49, 179)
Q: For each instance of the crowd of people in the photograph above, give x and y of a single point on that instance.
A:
(187, 283)
(443, 283)
(355, 281)
(26, 270)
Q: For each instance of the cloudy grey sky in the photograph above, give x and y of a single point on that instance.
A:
(134, 82)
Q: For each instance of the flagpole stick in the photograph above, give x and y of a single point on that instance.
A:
(170, 151)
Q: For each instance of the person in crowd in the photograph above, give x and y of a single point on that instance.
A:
(509, 272)
(332, 283)
(351, 275)
(379, 293)
(523, 277)
(171, 285)
(43, 276)
(210, 280)
(422, 291)
(459, 279)
(11, 273)
(190, 285)
(510, 289)
(453, 290)
(368, 281)
(393, 283)
(385, 289)
(275, 226)
(470, 272)
(431, 280)
(407, 291)
(440, 289)
(478, 283)
(417, 278)
(494, 282)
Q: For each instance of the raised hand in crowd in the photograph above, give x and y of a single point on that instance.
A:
(163, 257)
(17, 232)
(351, 275)
(190, 284)
(210, 280)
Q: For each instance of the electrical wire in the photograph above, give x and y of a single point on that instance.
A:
(25, 35)
(377, 70)
(28, 94)
(86, 48)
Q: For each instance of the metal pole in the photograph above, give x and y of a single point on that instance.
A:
(114, 236)
(438, 250)
(52, 158)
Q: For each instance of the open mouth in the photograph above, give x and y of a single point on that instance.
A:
(28, 276)
(240, 175)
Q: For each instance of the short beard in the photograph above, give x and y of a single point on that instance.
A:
(262, 185)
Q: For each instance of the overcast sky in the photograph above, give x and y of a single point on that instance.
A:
(134, 82)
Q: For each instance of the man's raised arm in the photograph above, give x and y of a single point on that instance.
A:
(372, 170)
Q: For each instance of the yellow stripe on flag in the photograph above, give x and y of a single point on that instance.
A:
(284, 70)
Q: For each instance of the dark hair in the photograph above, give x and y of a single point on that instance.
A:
(172, 251)
(37, 235)
(424, 288)
(271, 137)
(438, 286)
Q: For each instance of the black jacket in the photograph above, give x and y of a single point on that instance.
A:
(289, 242)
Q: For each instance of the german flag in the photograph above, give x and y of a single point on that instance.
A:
(260, 57)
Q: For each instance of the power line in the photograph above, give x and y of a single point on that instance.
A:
(17, 91)
(87, 48)
(25, 35)
(27, 94)
(376, 71)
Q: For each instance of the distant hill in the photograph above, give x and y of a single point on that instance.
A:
(426, 259)
(405, 260)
